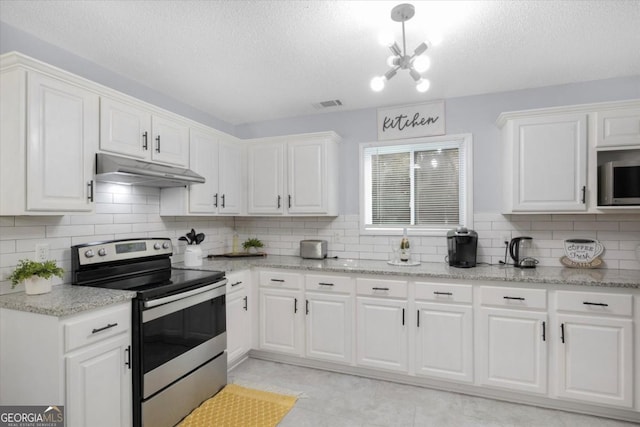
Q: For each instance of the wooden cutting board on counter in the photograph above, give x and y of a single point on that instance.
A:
(238, 255)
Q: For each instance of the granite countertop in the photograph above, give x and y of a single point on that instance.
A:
(64, 300)
(553, 275)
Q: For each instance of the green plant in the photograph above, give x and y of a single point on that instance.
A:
(27, 268)
(252, 243)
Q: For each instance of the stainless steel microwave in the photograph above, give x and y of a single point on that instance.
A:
(619, 183)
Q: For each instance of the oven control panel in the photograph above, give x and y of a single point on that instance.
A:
(117, 250)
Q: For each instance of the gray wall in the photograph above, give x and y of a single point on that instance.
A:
(470, 114)
(13, 39)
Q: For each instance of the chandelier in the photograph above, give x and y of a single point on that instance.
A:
(415, 63)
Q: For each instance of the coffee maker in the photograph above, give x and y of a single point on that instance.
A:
(463, 246)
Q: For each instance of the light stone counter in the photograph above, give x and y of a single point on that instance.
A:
(64, 300)
(553, 275)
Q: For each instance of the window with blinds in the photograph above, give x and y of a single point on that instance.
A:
(421, 185)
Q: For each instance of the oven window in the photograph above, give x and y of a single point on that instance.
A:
(169, 336)
(626, 179)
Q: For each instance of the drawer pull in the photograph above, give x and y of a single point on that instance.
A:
(544, 331)
(418, 315)
(246, 303)
(600, 304)
(562, 333)
(442, 293)
(514, 298)
(277, 280)
(403, 317)
(380, 289)
(236, 284)
(306, 308)
(109, 326)
(325, 284)
(295, 305)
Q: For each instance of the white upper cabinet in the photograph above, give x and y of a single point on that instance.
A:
(545, 164)
(132, 130)
(294, 175)
(220, 160)
(49, 135)
(618, 128)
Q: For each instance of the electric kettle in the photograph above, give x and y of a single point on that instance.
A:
(520, 249)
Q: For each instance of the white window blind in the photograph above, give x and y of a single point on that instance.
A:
(422, 185)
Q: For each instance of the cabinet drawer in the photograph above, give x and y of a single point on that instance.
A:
(595, 302)
(443, 292)
(332, 284)
(280, 280)
(382, 288)
(513, 297)
(236, 281)
(93, 327)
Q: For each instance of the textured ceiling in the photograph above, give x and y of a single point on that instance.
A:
(248, 61)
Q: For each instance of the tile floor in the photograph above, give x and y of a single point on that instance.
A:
(338, 400)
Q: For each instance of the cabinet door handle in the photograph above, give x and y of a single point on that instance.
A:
(418, 323)
(295, 305)
(601, 304)
(109, 326)
(442, 293)
(246, 303)
(380, 289)
(158, 143)
(223, 200)
(544, 331)
(277, 280)
(584, 194)
(562, 333)
(289, 201)
(145, 143)
(236, 284)
(127, 362)
(279, 200)
(403, 317)
(514, 298)
(306, 306)
(325, 284)
(215, 200)
(90, 195)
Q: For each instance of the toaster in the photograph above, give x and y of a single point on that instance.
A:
(314, 249)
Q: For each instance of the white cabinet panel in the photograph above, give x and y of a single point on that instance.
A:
(307, 172)
(203, 156)
(124, 129)
(595, 360)
(618, 128)
(170, 141)
(444, 341)
(266, 178)
(99, 385)
(280, 322)
(231, 173)
(328, 326)
(513, 350)
(382, 338)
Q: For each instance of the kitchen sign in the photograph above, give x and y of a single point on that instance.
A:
(411, 121)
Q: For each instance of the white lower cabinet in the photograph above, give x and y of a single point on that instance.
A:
(238, 316)
(280, 321)
(595, 349)
(98, 381)
(328, 326)
(81, 361)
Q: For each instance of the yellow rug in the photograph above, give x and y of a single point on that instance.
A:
(237, 406)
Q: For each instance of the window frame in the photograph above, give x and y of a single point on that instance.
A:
(465, 141)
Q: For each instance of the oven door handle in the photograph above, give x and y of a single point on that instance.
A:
(182, 295)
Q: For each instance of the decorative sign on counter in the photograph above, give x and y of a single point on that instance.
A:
(582, 253)
(411, 121)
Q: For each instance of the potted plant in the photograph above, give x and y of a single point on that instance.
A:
(35, 275)
(252, 245)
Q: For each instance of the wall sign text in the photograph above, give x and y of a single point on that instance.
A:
(411, 121)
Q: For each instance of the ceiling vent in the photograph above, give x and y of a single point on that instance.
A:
(327, 104)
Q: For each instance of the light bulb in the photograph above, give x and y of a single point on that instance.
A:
(422, 63)
(377, 83)
(423, 85)
(386, 39)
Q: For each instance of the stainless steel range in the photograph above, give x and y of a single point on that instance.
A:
(179, 338)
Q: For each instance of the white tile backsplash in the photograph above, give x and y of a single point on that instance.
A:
(132, 212)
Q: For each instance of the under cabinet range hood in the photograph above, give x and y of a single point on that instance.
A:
(122, 170)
